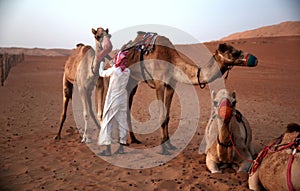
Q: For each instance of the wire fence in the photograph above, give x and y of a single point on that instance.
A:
(7, 61)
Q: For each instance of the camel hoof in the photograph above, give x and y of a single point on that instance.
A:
(57, 137)
(86, 140)
(165, 152)
(216, 171)
(170, 146)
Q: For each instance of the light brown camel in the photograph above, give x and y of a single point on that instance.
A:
(82, 69)
(228, 135)
(278, 161)
(163, 78)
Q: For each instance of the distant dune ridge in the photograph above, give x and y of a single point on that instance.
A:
(36, 51)
(290, 28)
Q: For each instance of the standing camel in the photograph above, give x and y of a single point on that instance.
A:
(82, 69)
(163, 78)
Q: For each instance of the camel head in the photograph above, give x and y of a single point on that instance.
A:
(99, 33)
(224, 104)
(226, 55)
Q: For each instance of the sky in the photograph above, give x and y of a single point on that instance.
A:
(64, 23)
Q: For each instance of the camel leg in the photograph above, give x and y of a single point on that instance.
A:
(160, 93)
(168, 101)
(67, 95)
(245, 165)
(99, 97)
(212, 165)
(131, 89)
(91, 109)
(86, 102)
(253, 181)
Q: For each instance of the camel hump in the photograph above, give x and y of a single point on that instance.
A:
(141, 32)
(74, 60)
(292, 127)
(79, 45)
(85, 49)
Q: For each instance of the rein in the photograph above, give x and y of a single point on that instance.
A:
(237, 151)
(203, 84)
(231, 142)
(143, 69)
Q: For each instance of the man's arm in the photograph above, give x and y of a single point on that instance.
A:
(107, 48)
(105, 73)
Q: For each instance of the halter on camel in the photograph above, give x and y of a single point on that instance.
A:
(226, 114)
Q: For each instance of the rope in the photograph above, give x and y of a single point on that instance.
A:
(289, 171)
(237, 151)
(201, 84)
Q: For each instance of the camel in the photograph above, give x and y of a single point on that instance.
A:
(82, 69)
(163, 78)
(228, 135)
(277, 166)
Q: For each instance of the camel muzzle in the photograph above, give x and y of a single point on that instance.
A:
(225, 110)
(250, 60)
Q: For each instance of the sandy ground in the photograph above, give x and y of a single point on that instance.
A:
(31, 102)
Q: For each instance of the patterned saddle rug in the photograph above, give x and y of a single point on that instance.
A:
(147, 45)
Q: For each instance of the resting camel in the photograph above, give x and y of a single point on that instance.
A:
(277, 166)
(163, 78)
(228, 135)
(82, 68)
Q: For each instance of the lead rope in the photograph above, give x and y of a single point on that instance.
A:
(289, 171)
(289, 168)
(227, 74)
(237, 151)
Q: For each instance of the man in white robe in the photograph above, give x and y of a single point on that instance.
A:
(115, 107)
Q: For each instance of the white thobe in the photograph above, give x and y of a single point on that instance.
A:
(115, 107)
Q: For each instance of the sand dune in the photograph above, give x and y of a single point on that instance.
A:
(283, 29)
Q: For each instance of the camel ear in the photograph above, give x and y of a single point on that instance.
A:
(94, 31)
(234, 94)
(213, 94)
(106, 30)
(222, 47)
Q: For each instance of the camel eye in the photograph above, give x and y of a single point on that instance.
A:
(233, 103)
(236, 54)
(215, 103)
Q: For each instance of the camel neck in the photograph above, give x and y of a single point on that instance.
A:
(224, 134)
(210, 71)
(185, 72)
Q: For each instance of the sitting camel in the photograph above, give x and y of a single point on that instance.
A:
(277, 166)
(228, 135)
(82, 68)
(149, 66)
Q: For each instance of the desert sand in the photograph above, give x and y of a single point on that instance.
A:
(31, 101)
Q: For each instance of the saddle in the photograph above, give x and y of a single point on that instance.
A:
(147, 45)
(144, 46)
